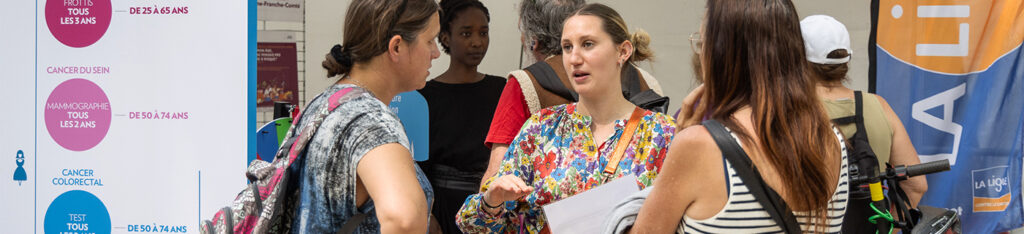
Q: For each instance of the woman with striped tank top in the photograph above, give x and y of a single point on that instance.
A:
(756, 85)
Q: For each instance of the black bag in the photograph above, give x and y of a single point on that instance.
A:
(631, 88)
(863, 163)
(766, 196)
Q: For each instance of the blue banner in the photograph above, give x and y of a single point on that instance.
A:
(411, 108)
(954, 73)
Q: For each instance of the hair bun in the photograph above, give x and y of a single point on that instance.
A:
(344, 57)
(338, 61)
(641, 46)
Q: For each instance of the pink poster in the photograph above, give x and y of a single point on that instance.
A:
(277, 74)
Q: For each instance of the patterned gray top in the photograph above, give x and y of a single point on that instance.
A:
(327, 182)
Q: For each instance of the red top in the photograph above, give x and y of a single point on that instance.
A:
(509, 116)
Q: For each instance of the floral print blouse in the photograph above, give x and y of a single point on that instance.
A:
(556, 154)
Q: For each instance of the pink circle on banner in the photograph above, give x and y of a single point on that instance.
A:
(77, 114)
(78, 23)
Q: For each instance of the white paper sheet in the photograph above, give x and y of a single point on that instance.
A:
(586, 212)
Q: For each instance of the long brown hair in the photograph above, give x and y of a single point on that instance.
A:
(370, 24)
(753, 54)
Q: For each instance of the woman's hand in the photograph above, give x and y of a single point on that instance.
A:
(691, 112)
(506, 188)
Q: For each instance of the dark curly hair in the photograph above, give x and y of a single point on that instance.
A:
(451, 8)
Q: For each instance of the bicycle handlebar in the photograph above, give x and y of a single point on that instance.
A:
(927, 168)
(903, 172)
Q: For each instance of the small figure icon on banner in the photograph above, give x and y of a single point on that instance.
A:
(19, 173)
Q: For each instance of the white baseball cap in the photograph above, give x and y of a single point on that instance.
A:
(822, 35)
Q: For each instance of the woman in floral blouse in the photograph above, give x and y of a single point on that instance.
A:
(563, 150)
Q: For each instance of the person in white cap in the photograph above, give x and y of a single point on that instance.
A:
(827, 44)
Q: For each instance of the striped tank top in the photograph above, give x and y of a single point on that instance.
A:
(743, 214)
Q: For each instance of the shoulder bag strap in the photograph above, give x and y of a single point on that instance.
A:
(627, 136)
(766, 196)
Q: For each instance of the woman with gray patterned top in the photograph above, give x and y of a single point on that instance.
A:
(359, 161)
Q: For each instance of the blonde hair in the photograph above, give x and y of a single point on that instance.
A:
(615, 26)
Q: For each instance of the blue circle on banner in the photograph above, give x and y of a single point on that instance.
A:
(76, 211)
(411, 108)
(269, 139)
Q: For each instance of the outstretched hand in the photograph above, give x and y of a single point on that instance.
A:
(506, 188)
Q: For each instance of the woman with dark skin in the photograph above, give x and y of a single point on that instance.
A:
(464, 36)
(462, 101)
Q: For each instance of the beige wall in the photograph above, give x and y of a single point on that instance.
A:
(670, 22)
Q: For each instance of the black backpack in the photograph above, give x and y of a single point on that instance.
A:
(631, 88)
(863, 163)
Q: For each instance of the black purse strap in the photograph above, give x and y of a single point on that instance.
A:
(766, 196)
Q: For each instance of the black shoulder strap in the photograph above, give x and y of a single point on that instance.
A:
(852, 119)
(845, 120)
(633, 90)
(858, 98)
(548, 79)
(352, 223)
(858, 116)
(648, 99)
(769, 199)
(862, 159)
(631, 81)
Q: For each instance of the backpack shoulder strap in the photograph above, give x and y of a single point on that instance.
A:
(650, 80)
(526, 86)
(298, 144)
(858, 99)
(858, 116)
(352, 223)
(845, 120)
(640, 89)
(632, 81)
(766, 196)
(549, 80)
(338, 98)
(860, 141)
